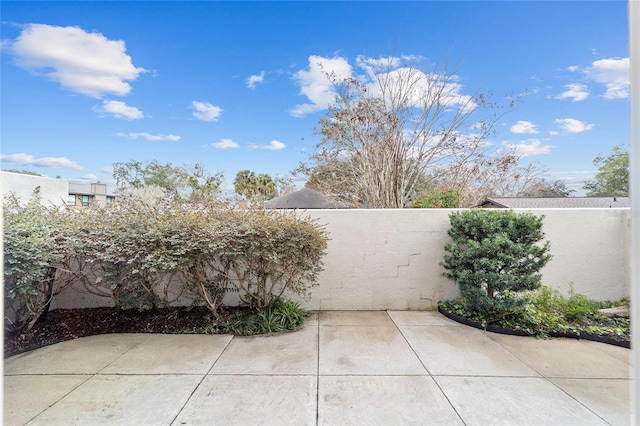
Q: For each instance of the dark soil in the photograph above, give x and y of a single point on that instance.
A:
(67, 324)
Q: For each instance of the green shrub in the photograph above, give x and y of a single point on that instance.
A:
(494, 256)
(546, 311)
(145, 255)
(270, 252)
(439, 198)
(31, 259)
(117, 251)
(551, 303)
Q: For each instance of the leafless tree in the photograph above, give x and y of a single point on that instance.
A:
(499, 174)
(386, 132)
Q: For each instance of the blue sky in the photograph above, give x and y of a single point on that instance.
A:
(235, 85)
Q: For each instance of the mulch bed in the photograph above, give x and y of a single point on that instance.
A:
(67, 324)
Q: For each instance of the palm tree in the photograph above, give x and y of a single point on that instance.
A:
(265, 186)
(245, 184)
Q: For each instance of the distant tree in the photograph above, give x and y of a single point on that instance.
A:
(545, 188)
(255, 187)
(613, 174)
(202, 185)
(330, 176)
(189, 183)
(385, 132)
(24, 172)
(265, 187)
(439, 199)
(245, 184)
(284, 185)
(495, 175)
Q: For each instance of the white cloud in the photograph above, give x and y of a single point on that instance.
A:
(90, 177)
(571, 125)
(524, 127)
(614, 74)
(149, 136)
(386, 64)
(573, 179)
(371, 65)
(425, 86)
(276, 146)
(315, 85)
(225, 144)
(205, 111)
(50, 162)
(255, 79)
(575, 92)
(119, 109)
(83, 62)
(273, 146)
(573, 68)
(530, 147)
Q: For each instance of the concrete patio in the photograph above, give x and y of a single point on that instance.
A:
(342, 368)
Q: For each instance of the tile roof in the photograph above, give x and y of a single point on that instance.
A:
(555, 202)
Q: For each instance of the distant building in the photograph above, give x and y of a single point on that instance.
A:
(84, 195)
(553, 202)
(56, 192)
(305, 198)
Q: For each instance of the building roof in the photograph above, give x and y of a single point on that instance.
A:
(554, 202)
(305, 198)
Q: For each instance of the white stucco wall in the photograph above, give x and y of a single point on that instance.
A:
(53, 191)
(390, 259)
(383, 259)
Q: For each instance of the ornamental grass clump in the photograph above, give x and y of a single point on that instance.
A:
(493, 258)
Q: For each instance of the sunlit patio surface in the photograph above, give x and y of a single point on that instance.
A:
(342, 368)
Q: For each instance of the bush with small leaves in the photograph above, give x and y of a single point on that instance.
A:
(31, 258)
(494, 256)
(150, 254)
(270, 252)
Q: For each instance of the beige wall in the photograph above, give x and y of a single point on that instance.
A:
(390, 259)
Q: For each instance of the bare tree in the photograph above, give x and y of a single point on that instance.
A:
(385, 132)
(284, 184)
(482, 175)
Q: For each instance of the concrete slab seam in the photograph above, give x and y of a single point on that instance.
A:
(122, 354)
(546, 379)
(408, 343)
(201, 380)
(453, 407)
(62, 397)
(427, 370)
(576, 399)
